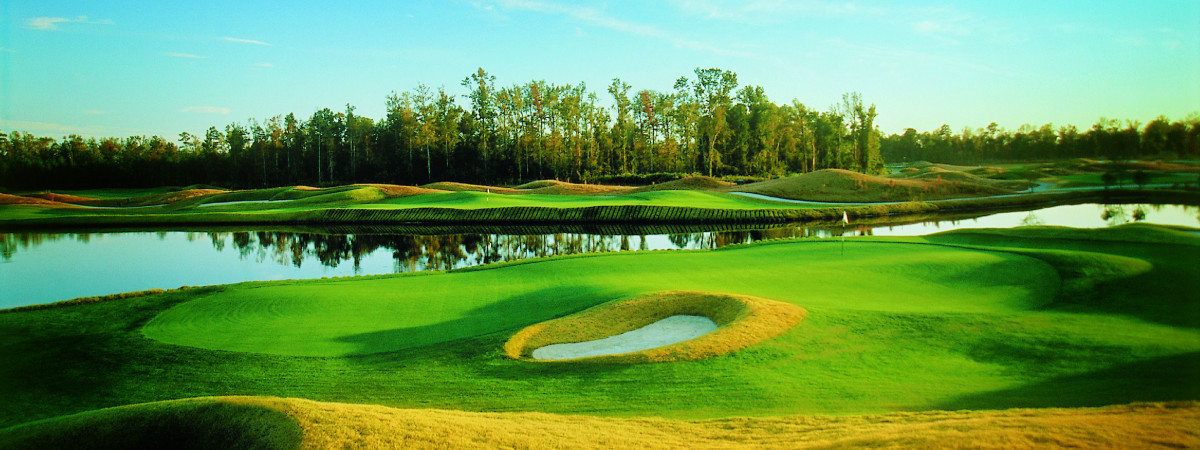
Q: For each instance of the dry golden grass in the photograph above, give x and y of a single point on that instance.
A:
(8, 199)
(393, 190)
(693, 183)
(82, 300)
(255, 422)
(336, 425)
(63, 198)
(60, 200)
(161, 199)
(836, 185)
(555, 187)
(741, 321)
(936, 172)
(456, 187)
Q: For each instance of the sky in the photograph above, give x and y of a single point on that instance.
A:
(120, 68)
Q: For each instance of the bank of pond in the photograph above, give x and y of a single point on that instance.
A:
(41, 267)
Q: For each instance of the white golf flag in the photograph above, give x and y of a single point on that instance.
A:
(845, 218)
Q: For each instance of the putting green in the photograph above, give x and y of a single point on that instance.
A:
(362, 316)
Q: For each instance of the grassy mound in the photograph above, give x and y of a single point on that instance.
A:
(836, 185)
(9, 199)
(742, 321)
(279, 423)
(902, 325)
(977, 175)
(335, 425)
(693, 183)
(347, 317)
(63, 198)
(204, 423)
(393, 190)
(459, 187)
(555, 187)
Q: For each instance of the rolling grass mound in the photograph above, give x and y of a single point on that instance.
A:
(741, 321)
(457, 187)
(365, 316)
(290, 423)
(9, 199)
(693, 183)
(203, 423)
(63, 198)
(901, 325)
(836, 185)
(159, 199)
(555, 187)
(935, 173)
(393, 190)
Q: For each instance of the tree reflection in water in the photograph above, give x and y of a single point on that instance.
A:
(438, 248)
(414, 253)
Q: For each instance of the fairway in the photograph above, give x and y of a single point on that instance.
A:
(337, 317)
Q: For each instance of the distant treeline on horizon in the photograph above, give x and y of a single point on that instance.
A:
(540, 130)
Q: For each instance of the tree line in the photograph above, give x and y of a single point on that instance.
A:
(536, 130)
(1106, 139)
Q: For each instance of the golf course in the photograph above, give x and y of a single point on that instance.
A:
(1035, 335)
(599, 224)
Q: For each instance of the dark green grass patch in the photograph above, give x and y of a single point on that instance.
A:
(207, 423)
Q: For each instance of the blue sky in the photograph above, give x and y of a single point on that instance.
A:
(134, 68)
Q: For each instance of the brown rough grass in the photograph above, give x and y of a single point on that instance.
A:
(160, 199)
(63, 198)
(1153, 425)
(456, 187)
(9, 199)
(936, 172)
(326, 425)
(741, 321)
(393, 190)
(693, 183)
(554, 187)
(837, 185)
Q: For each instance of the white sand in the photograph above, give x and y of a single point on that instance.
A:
(664, 332)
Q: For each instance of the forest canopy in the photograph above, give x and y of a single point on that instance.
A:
(706, 124)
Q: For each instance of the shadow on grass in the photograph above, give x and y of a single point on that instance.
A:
(1168, 378)
(189, 424)
(505, 316)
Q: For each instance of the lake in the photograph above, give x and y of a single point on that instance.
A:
(45, 267)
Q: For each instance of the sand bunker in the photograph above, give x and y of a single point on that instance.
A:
(656, 327)
(664, 332)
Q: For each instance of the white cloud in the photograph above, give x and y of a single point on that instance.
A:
(45, 128)
(245, 41)
(772, 11)
(207, 109)
(600, 19)
(51, 23)
(95, 112)
(186, 55)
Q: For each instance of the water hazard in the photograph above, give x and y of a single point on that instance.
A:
(45, 267)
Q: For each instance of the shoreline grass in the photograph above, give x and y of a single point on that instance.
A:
(471, 208)
(289, 423)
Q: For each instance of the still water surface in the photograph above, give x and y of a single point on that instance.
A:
(46, 267)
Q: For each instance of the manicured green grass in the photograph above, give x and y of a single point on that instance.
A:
(892, 326)
(393, 313)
